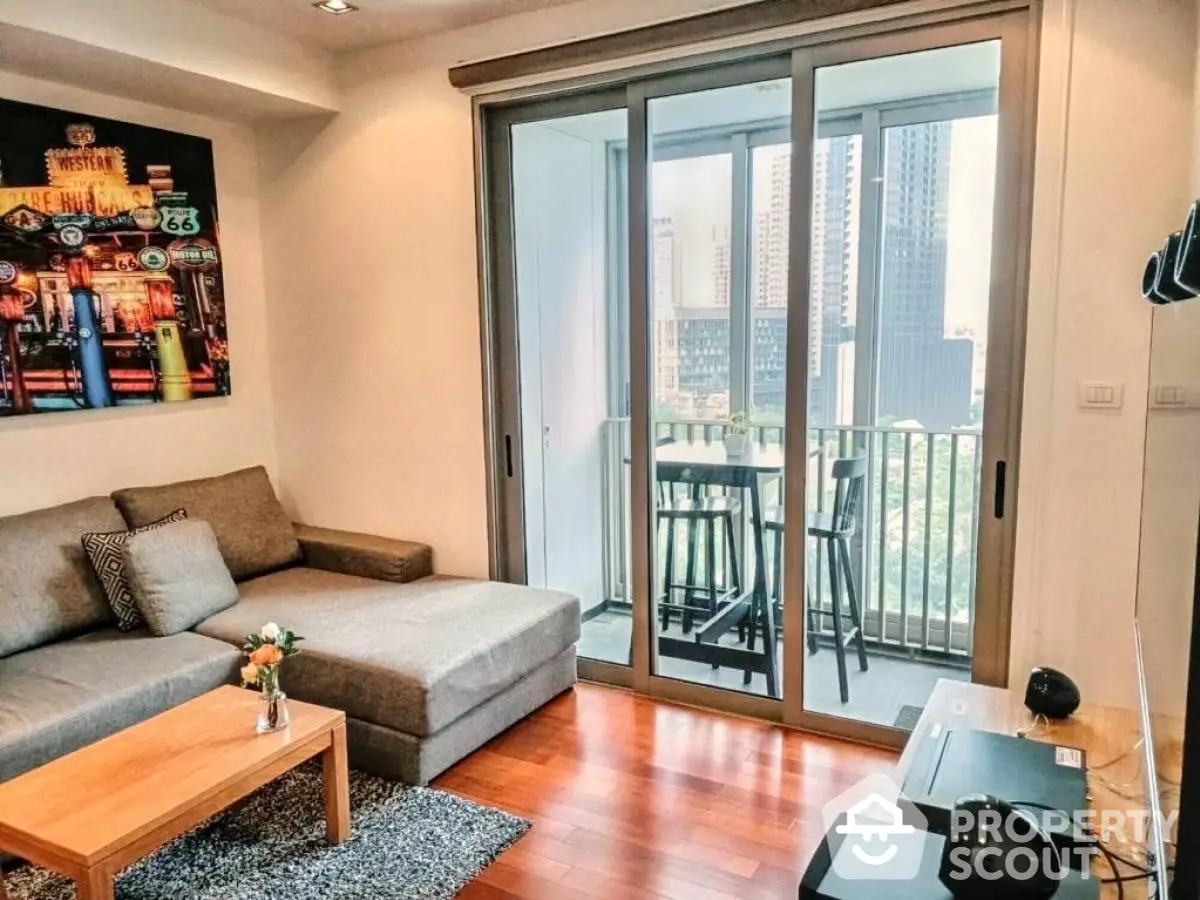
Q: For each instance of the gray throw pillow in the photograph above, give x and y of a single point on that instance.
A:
(254, 533)
(178, 576)
(106, 552)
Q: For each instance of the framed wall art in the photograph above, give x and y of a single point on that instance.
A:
(110, 265)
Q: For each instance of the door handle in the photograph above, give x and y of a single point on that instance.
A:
(1001, 478)
(508, 462)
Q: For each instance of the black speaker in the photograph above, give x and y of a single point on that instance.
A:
(1150, 278)
(1166, 285)
(1159, 285)
(1051, 693)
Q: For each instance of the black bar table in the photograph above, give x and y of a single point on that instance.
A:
(707, 463)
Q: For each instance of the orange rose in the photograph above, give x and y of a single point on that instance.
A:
(267, 655)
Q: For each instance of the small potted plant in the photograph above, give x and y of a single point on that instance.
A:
(267, 650)
(737, 433)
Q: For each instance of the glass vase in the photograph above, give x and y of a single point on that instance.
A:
(272, 711)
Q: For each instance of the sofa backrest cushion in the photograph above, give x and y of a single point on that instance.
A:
(47, 589)
(178, 576)
(254, 533)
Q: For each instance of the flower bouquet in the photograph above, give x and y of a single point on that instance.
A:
(267, 650)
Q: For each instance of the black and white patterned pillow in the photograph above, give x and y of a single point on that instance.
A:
(106, 552)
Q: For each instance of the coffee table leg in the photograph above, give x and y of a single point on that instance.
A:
(337, 787)
(97, 884)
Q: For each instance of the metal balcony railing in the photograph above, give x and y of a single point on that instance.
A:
(914, 553)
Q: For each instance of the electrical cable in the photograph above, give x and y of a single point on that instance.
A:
(1142, 872)
(1038, 720)
(1109, 852)
(1118, 879)
(1119, 758)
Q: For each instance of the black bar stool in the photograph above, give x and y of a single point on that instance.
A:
(705, 517)
(834, 529)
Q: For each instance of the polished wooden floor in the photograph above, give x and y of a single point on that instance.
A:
(634, 798)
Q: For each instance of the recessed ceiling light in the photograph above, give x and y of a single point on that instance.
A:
(337, 7)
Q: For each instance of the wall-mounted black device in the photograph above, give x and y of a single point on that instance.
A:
(1172, 272)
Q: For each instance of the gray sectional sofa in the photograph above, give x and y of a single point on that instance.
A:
(426, 668)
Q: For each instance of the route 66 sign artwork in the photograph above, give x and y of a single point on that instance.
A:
(107, 230)
(181, 221)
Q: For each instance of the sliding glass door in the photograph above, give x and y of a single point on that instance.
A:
(712, 622)
(913, 395)
(901, 249)
(565, 375)
(780, 290)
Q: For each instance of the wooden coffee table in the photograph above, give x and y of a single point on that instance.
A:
(94, 812)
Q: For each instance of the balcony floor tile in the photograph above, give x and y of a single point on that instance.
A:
(876, 696)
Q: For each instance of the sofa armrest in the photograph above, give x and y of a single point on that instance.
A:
(365, 555)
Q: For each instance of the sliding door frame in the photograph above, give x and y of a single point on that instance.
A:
(1006, 338)
(498, 316)
(641, 354)
(1015, 23)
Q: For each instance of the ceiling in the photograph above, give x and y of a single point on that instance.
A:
(377, 21)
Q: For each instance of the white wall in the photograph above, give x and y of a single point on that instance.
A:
(1171, 498)
(374, 291)
(53, 458)
(1112, 181)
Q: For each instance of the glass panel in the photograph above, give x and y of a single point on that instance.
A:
(568, 177)
(714, 617)
(836, 208)
(897, 365)
(771, 177)
(691, 235)
(936, 266)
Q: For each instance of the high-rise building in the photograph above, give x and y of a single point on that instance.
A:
(722, 252)
(837, 164)
(923, 375)
(771, 230)
(703, 353)
(667, 283)
(667, 265)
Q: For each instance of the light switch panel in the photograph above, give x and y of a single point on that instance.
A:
(1170, 396)
(1101, 395)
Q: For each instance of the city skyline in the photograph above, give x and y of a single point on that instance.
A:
(937, 195)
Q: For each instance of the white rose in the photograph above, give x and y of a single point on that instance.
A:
(270, 632)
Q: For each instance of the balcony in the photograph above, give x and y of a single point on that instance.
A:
(913, 560)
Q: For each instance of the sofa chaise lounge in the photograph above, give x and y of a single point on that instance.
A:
(427, 668)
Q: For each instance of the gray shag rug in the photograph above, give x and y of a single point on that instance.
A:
(405, 842)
